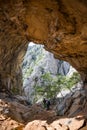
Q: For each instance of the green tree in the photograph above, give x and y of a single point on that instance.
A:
(71, 81)
(52, 86)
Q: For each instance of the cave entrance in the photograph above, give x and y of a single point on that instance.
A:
(43, 75)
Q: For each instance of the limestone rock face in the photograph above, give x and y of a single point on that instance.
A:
(61, 25)
(37, 63)
(12, 44)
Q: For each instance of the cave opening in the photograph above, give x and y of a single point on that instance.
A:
(62, 29)
(45, 76)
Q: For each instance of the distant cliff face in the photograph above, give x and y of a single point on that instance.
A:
(38, 62)
(61, 25)
(37, 59)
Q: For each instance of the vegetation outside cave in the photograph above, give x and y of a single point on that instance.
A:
(44, 76)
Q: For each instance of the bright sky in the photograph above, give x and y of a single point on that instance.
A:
(31, 43)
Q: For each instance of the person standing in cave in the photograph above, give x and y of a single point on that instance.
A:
(48, 104)
(44, 102)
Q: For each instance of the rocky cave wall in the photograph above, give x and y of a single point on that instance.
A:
(61, 25)
(12, 44)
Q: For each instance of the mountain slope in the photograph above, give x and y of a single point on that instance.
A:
(38, 62)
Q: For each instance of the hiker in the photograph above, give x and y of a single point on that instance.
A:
(48, 104)
(44, 102)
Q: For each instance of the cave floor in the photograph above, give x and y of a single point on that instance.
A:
(16, 115)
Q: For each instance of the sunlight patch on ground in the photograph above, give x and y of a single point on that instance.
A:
(60, 124)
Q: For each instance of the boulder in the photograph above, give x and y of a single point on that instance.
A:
(77, 94)
(74, 110)
(63, 106)
(77, 105)
(16, 111)
(36, 125)
(10, 124)
(69, 123)
(75, 123)
(59, 126)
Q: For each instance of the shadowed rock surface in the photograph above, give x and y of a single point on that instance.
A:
(16, 114)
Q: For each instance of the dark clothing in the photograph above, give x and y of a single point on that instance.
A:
(44, 102)
(48, 104)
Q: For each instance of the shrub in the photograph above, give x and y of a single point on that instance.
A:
(52, 86)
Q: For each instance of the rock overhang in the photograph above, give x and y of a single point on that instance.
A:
(61, 25)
